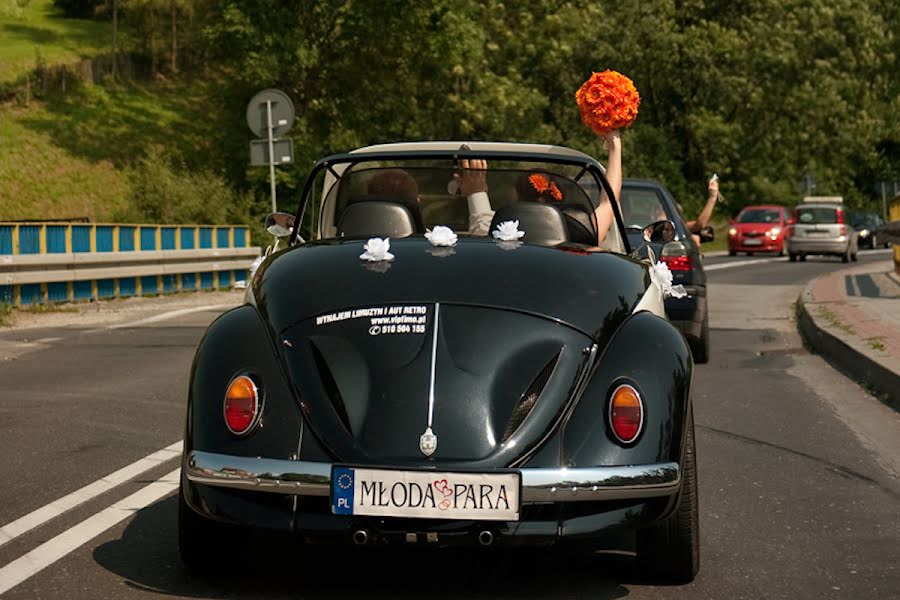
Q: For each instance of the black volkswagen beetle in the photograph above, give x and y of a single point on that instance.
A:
(443, 387)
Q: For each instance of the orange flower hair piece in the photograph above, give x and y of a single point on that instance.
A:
(607, 101)
(542, 186)
(539, 183)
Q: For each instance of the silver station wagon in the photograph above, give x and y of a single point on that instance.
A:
(820, 226)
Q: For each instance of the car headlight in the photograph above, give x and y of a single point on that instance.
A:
(775, 231)
(863, 233)
(732, 231)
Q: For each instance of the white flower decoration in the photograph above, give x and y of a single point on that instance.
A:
(441, 236)
(508, 231)
(662, 277)
(376, 249)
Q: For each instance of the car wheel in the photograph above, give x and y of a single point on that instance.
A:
(853, 257)
(792, 257)
(780, 252)
(802, 258)
(700, 348)
(732, 253)
(749, 254)
(202, 544)
(845, 257)
(671, 550)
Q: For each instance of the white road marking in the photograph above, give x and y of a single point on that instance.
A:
(742, 263)
(172, 314)
(58, 547)
(40, 516)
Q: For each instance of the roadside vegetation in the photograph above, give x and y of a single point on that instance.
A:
(164, 136)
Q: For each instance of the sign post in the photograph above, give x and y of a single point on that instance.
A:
(270, 115)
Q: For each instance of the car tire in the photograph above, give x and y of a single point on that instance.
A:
(845, 257)
(780, 252)
(853, 257)
(700, 348)
(732, 253)
(792, 257)
(202, 543)
(749, 254)
(802, 258)
(670, 550)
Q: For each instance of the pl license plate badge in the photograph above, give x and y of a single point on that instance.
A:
(425, 494)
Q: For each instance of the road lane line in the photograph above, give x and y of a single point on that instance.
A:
(170, 315)
(40, 516)
(742, 263)
(73, 538)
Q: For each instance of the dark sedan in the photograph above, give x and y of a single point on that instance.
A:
(646, 201)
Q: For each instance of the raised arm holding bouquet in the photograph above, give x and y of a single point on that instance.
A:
(607, 102)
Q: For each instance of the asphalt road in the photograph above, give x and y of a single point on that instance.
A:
(800, 495)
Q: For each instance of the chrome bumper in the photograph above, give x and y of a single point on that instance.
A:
(305, 478)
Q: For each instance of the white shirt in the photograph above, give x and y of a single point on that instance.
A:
(480, 213)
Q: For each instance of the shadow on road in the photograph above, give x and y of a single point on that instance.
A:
(146, 557)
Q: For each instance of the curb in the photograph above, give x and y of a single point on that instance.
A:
(883, 382)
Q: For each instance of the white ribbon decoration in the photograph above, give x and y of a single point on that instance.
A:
(377, 249)
(662, 277)
(441, 236)
(508, 231)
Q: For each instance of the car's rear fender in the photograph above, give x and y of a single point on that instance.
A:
(650, 354)
(239, 343)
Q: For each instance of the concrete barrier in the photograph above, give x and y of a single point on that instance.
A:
(59, 262)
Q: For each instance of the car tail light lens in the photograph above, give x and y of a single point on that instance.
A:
(626, 414)
(839, 216)
(678, 263)
(241, 405)
(674, 255)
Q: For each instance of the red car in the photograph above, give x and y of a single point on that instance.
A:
(758, 229)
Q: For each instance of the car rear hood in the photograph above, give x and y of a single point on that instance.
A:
(488, 383)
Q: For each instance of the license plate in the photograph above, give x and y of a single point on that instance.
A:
(817, 232)
(425, 494)
(752, 242)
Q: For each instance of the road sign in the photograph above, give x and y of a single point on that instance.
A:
(282, 113)
(283, 150)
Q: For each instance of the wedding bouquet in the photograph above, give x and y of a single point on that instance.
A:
(607, 101)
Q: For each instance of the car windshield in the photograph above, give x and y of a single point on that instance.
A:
(759, 215)
(817, 214)
(427, 192)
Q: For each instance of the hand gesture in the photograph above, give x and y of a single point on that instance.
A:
(473, 178)
(713, 187)
(612, 139)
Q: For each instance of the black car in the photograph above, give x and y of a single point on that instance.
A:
(644, 201)
(870, 227)
(443, 388)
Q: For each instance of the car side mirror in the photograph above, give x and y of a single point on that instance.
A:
(279, 224)
(707, 234)
(659, 232)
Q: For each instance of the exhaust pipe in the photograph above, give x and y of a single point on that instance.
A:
(361, 537)
(485, 538)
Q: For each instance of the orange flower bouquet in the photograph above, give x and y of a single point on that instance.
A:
(607, 101)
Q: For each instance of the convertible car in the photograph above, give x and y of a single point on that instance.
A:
(398, 375)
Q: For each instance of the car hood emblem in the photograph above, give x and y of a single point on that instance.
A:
(428, 442)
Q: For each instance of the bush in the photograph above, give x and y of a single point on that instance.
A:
(165, 191)
(78, 9)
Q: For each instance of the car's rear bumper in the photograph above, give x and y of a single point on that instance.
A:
(687, 314)
(305, 478)
(557, 504)
(801, 246)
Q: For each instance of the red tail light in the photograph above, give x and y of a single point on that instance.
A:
(241, 405)
(677, 263)
(839, 216)
(626, 413)
(843, 229)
